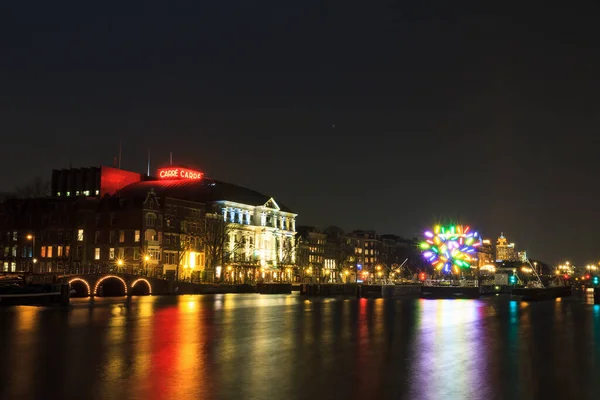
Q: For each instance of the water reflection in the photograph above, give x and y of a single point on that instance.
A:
(261, 347)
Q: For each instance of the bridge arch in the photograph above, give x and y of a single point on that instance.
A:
(108, 277)
(142, 280)
(87, 285)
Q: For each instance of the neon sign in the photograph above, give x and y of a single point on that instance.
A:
(179, 173)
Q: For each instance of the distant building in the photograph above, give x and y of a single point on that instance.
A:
(366, 250)
(505, 251)
(485, 254)
(522, 256)
(316, 258)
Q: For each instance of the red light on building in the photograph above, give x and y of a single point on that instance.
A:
(422, 276)
(179, 173)
(566, 276)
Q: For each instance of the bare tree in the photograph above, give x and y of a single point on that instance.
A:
(339, 249)
(190, 241)
(287, 255)
(213, 238)
(38, 187)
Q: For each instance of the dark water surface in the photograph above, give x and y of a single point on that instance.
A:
(289, 347)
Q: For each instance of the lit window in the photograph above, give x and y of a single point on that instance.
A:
(58, 194)
(97, 253)
(263, 219)
(121, 253)
(136, 253)
(13, 266)
(49, 251)
(121, 236)
(86, 192)
(68, 194)
(111, 253)
(14, 236)
(59, 251)
(77, 193)
(137, 236)
(5, 266)
(80, 235)
(97, 192)
(67, 251)
(43, 252)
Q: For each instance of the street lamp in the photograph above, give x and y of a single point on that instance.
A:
(32, 238)
(119, 264)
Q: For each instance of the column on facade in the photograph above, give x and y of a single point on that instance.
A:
(293, 246)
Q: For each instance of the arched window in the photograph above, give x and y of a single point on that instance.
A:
(150, 219)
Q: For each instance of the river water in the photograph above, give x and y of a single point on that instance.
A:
(289, 347)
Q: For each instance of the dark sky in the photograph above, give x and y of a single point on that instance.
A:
(365, 114)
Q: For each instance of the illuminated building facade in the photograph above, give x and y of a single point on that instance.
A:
(485, 254)
(316, 256)
(505, 251)
(366, 251)
(108, 219)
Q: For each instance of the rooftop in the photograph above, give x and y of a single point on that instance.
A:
(202, 191)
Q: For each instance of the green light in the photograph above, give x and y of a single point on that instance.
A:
(424, 245)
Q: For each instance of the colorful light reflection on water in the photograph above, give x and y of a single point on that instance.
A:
(251, 346)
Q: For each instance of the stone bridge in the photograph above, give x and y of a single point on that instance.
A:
(118, 284)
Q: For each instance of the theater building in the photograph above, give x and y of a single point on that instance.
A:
(104, 218)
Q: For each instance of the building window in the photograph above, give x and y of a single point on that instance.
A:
(43, 251)
(137, 236)
(13, 266)
(14, 236)
(121, 236)
(67, 251)
(240, 216)
(58, 194)
(121, 253)
(136, 253)
(80, 235)
(49, 251)
(150, 219)
(97, 237)
(113, 219)
(59, 251)
(263, 219)
(5, 266)
(97, 192)
(97, 253)
(68, 194)
(111, 253)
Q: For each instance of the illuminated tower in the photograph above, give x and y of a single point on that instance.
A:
(505, 251)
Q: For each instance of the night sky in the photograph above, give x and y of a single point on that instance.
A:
(367, 115)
